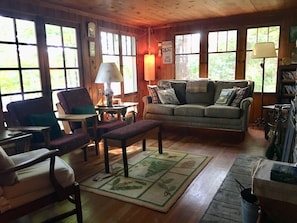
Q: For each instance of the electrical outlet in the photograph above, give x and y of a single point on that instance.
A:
(100, 92)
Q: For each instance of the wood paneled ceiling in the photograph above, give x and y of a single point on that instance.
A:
(164, 12)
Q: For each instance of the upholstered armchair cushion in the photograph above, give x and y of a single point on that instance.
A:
(34, 181)
(5, 163)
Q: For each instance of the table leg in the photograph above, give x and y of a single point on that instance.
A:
(144, 144)
(106, 159)
(160, 140)
(125, 160)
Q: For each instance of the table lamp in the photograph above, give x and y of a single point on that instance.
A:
(108, 73)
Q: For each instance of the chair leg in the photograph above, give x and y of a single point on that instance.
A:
(78, 208)
(97, 148)
(85, 153)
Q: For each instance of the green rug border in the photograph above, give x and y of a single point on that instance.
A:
(164, 208)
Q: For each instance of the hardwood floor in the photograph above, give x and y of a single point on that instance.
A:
(222, 146)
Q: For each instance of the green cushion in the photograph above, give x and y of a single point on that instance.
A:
(87, 109)
(46, 119)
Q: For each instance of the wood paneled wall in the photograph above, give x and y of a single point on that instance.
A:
(285, 19)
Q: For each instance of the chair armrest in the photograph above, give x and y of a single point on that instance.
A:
(50, 154)
(44, 130)
(82, 118)
(40, 158)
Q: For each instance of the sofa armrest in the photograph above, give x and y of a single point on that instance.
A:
(245, 103)
(147, 99)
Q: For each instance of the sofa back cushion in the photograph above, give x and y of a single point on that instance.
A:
(219, 85)
(201, 95)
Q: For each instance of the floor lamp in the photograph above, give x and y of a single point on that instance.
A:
(263, 50)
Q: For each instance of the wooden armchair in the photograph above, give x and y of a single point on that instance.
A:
(32, 180)
(37, 117)
(78, 101)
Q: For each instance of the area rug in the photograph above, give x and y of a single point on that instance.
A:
(225, 206)
(155, 181)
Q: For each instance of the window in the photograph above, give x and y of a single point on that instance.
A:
(19, 64)
(253, 69)
(187, 56)
(20, 72)
(222, 54)
(121, 49)
(63, 58)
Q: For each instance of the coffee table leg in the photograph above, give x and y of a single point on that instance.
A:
(125, 161)
(144, 144)
(106, 159)
(160, 140)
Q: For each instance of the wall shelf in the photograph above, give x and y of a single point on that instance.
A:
(286, 83)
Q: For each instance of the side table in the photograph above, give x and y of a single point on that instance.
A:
(19, 138)
(119, 109)
(271, 115)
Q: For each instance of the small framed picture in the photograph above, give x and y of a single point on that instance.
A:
(293, 33)
(91, 29)
(92, 48)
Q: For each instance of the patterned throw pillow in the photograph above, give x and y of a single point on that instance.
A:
(168, 96)
(226, 96)
(152, 89)
(241, 93)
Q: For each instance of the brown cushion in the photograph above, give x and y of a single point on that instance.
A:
(5, 163)
(241, 93)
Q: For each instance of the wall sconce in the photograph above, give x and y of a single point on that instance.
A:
(149, 62)
(149, 67)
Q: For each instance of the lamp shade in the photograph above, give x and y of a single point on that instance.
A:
(264, 50)
(149, 67)
(108, 73)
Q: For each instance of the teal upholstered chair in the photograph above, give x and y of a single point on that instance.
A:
(78, 101)
(37, 116)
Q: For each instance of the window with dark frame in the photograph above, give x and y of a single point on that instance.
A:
(222, 55)
(20, 72)
(187, 56)
(19, 61)
(253, 70)
(121, 49)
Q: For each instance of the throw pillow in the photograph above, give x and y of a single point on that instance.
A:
(180, 91)
(168, 96)
(152, 89)
(241, 93)
(226, 96)
(87, 109)
(5, 163)
(46, 119)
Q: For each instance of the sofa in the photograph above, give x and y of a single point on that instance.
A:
(202, 103)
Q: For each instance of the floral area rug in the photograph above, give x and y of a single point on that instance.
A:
(155, 181)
